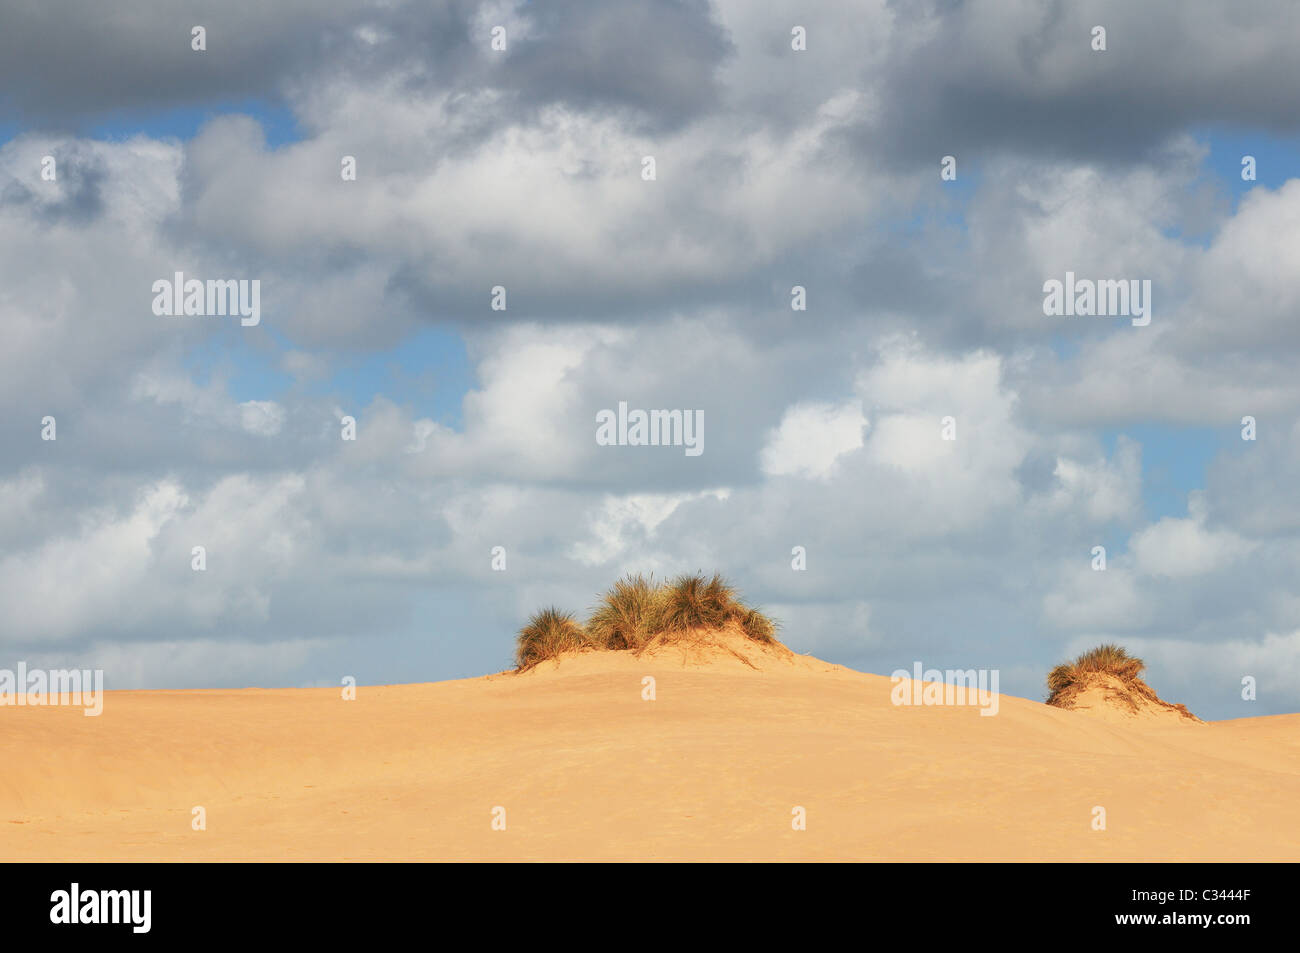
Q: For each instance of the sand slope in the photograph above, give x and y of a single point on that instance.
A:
(586, 769)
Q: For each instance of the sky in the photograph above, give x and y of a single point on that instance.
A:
(524, 169)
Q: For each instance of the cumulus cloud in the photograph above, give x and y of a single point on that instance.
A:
(811, 437)
(1185, 547)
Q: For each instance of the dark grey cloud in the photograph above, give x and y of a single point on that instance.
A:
(63, 63)
(75, 200)
(656, 59)
(1021, 78)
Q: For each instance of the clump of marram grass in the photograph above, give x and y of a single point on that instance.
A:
(1105, 659)
(692, 602)
(636, 613)
(628, 615)
(1068, 680)
(757, 625)
(549, 633)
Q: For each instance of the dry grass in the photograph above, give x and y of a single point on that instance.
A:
(636, 613)
(692, 602)
(1066, 681)
(1108, 659)
(548, 634)
(757, 625)
(628, 615)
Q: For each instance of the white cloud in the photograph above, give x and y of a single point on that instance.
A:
(1103, 490)
(264, 418)
(68, 584)
(1085, 598)
(811, 437)
(1185, 547)
(622, 525)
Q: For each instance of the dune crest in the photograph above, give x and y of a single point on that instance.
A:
(725, 648)
(1106, 682)
(1115, 699)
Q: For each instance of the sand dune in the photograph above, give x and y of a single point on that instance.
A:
(585, 768)
(1109, 698)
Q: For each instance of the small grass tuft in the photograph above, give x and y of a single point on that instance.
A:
(757, 626)
(548, 634)
(1106, 659)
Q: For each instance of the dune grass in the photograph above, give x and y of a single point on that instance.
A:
(695, 602)
(758, 625)
(628, 615)
(636, 611)
(692, 602)
(548, 633)
(1065, 682)
(1108, 659)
